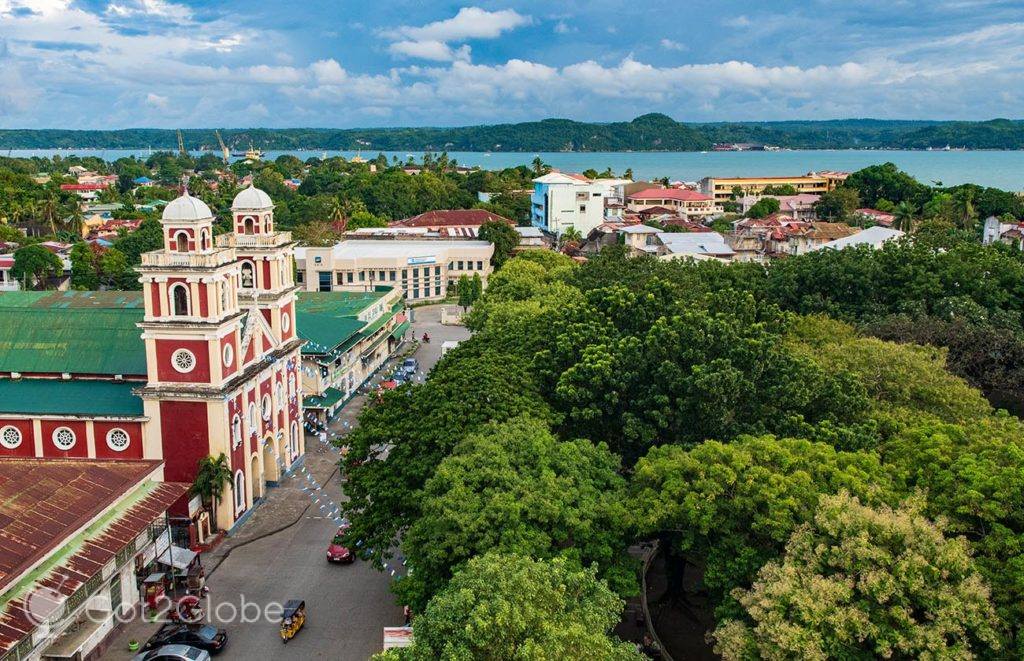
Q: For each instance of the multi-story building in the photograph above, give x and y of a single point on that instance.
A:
(216, 369)
(680, 201)
(422, 269)
(723, 188)
(451, 223)
(78, 536)
(561, 201)
(349, 336)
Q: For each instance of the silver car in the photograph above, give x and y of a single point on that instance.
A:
(174, 653)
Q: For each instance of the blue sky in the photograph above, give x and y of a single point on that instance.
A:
(164, 63)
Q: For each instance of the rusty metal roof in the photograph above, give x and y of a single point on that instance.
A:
(44, 503)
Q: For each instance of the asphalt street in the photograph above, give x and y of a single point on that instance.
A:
(347, 605)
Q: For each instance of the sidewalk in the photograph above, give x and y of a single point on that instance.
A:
(287, 504)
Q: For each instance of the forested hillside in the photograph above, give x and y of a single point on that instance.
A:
(653, 132)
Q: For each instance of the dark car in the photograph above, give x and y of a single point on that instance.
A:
(202, 636)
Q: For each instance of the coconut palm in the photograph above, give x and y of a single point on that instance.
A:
(904, 215)
(213, 473)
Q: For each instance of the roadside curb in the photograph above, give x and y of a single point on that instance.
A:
(270, 532)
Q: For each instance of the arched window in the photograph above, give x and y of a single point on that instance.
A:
(248, 226)
(181, 242)
(295, 438)
(248, 275)
(204, 239)
(239, 491)
(179, 300)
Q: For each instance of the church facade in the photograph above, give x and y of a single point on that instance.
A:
(204, 360)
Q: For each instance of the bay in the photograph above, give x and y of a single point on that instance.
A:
(1000, 169)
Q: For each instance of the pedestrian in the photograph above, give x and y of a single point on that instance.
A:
(407, 612)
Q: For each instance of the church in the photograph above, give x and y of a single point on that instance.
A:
(204, 360)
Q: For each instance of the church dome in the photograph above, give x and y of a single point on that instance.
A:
(252, 198)
(187, 207)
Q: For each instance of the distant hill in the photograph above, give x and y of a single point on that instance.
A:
(653, 132)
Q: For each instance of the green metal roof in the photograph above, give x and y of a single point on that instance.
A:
(330, 397)
(62, 300)
(400, 329)
(86, 341)
(329, 319)
(59, 397)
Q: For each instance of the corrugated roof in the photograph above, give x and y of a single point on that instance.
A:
(39, 335)
(330, 397)
(328, 319)
(59, 397)
(46, 502)
(88, 341)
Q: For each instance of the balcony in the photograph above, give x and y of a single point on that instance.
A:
(164, 259)
(254, 240)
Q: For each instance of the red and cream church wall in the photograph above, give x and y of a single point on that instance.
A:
(80, 438)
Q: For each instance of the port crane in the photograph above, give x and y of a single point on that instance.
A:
(223, 147)
(181, 144)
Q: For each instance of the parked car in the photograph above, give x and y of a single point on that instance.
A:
(410, 366)
(203, 636)
(174, 653)
(338, 553)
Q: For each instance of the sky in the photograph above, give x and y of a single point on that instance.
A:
(98, 64)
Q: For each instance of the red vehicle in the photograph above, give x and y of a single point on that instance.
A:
(338, 553)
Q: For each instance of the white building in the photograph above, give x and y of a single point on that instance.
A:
(875, 237)
(423, 269)
(562, 200)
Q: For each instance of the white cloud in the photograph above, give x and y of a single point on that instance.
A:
(157, 100)
(150, 8)
(668, 44)
(431, 41)
(469, 23)
(561, 27)
(430, 50)
(741, 21)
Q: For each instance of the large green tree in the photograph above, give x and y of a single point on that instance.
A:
(417, 428)
(515, 488)
(864, 583)
(35, 266)
(512, 607)
(730, 507)
(503, 236)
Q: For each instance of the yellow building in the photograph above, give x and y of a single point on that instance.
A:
(721, 188)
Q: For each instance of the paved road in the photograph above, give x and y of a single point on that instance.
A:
(347, 604)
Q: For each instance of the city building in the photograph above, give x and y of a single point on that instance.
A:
(7, 281)
(994, 230)
(643, 240)
(204, 360)
(722, 188)
(561, 201)
(531, 238)
(452, 223)
(675, 201)
(794, 207)
(79, 537)
(422, 269)
(873, 237)
(349, 336)
(883, 218)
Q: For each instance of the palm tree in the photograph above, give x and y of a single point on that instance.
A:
(49, 211)
(209, 482)
(539, 167)
(964, 205)
(903, 215)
